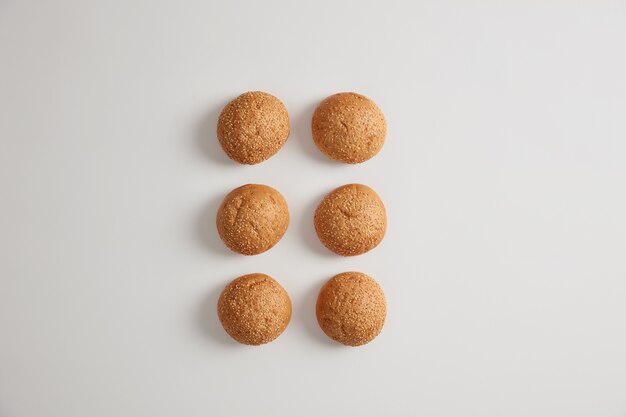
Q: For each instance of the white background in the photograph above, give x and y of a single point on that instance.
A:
(504, 177)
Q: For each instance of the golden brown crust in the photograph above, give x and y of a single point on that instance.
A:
(254, 309)
(253, 127)
(351, 308)
(351, 220)
(349, 127)
(252, 219)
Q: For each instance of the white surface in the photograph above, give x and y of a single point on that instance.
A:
(504, 177)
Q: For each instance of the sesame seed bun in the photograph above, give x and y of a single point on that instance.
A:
(351, 220)
(349, 127)
(351, 308)
(253, 127)
(252, 219)
(254, 309)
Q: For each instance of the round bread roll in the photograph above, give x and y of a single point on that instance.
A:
(253, 127)
(349, 127)
(351, 308)
(252, 219)
(254, 309)
(351, 220)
